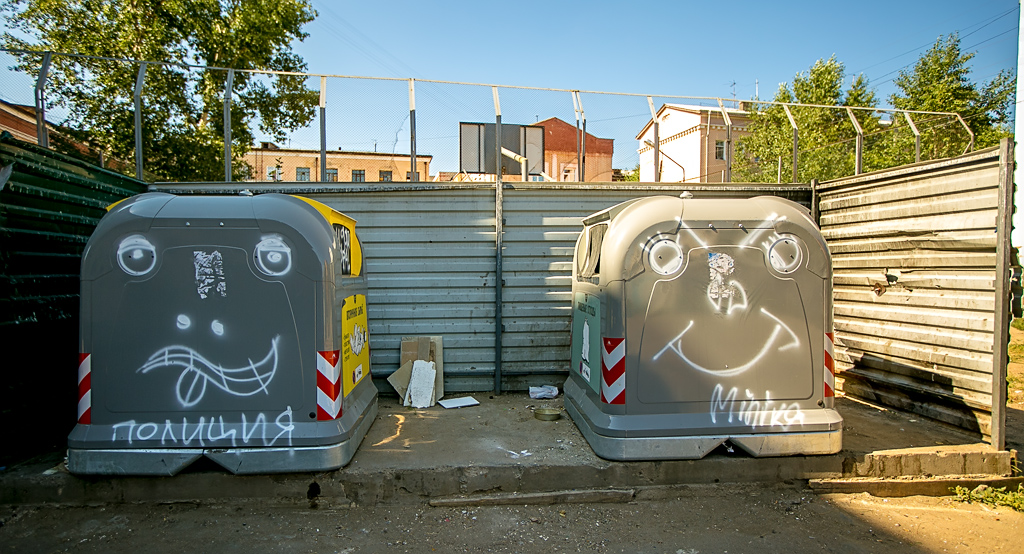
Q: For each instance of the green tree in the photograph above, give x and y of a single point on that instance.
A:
(940, 82)
(182, 106)
(826, 136)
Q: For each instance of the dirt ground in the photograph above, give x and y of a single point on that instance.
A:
(691, 520)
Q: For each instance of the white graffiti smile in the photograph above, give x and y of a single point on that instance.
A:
(779, 333)
(197, 372)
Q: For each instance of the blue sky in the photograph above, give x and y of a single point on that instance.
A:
(736, 49)
(654, 48)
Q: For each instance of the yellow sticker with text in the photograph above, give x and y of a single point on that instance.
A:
(355, 348)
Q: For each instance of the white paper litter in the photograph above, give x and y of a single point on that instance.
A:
(420, 393)
(546, 391)
(462, 402)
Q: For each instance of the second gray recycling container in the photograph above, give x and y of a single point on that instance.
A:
(702, 322)
(230, 327)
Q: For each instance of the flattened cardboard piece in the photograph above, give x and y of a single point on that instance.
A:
(427, 349)
(420, 393)
(400, 379)
(462, 402)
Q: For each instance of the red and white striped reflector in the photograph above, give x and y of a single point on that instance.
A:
(613, 371)
(84, 388)
(830, 365)
(328, 385)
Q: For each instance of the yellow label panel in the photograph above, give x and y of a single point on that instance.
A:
(352, 249)
(355, 342)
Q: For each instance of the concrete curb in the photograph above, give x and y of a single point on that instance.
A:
(539, 498)
(894, 488)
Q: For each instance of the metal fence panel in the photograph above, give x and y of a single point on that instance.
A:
(918, 277)
(431, 259)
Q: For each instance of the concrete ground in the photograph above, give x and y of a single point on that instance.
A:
(498, 450)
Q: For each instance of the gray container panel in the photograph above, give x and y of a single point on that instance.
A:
(712, 328)
(743, 329)
(222, 322)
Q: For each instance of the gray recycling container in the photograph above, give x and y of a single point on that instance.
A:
(230, 327)
(698, 322)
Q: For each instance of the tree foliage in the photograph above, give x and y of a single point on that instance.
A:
(182, 104)
(822, 132)
(938, 82)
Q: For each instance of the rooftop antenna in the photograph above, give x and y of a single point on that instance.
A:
(733, 85)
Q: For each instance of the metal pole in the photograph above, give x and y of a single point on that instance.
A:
(657, 141)
(42, 134)
(859, 160)
(970, 145)
(792, 123)
(1001, 336)
(728, 141)
(583, 141)
(917, 138)
(139, 81)
(576, 110)
(227, 124)
(815, 203)
(498, 229)
(412, 132)
(323, 129)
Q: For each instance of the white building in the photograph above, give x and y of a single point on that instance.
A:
(693, 143)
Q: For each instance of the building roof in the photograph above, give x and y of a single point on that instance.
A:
(560, 136)
(734, 113)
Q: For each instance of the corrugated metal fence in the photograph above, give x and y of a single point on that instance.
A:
(49, 205)
(431, 260)
(921, 259)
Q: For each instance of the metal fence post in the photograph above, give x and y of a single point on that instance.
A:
(657, 141)
(228, 85)
(917, 138)
(413, 175)
(583, 139)
(728, 141)
(498, 229)
(858, 166)
(42, 134)
(796, 139)
(323, 130)
(139, 82)
(1001, 329)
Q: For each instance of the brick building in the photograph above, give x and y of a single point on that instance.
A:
(269, 162)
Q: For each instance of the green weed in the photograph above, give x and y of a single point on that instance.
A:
(1018, 323)
(985, 494)
(1016, 352)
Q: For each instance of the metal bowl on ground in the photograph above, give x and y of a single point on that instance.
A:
(547, 414)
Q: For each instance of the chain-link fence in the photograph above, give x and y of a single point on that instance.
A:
(170, 122)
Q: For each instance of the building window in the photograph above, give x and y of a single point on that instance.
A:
(358, 175)
(273, 173)
(385, 176)
(301, 173)
(719, 149)
(410, 177)
(332, 175)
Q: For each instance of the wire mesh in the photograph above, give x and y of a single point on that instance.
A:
(367, 132)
